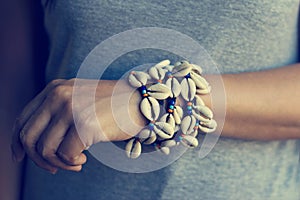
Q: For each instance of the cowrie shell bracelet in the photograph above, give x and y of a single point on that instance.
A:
(168, 123)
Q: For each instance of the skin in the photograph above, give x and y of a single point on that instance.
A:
(45, 131)
(49, 137)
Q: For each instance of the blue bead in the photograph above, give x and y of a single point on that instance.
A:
(142, 89)
(187, 76)
(151, 126)
(179, 138)
(189, 107)
(171, 107)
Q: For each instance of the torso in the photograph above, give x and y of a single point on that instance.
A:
(240, 36)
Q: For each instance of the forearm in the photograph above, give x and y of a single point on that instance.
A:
(259, 105)
(263, 105)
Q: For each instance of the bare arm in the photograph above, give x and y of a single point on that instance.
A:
(260, 105)
(263, 105)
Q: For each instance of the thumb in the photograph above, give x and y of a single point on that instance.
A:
(71, 148)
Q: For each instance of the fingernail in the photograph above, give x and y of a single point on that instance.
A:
(54, 171)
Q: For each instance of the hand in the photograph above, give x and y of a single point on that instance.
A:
(46, 130)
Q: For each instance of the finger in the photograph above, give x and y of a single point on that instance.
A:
(30, 134)
(51, 139)
(17, 149)
(16, 146)
(71, 148)
(33, 105)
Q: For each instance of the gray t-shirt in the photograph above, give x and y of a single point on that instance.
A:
(240, 36)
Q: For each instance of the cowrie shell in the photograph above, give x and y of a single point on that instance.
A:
(208, 127)
(197, 69)
(182, 70)
(200, 82)
(147, 136)
(199, 101)
(164, 130)
(194, 133)
(157, 73)
(177, 114)
(169, 68)
(159, 91)
(204, 91)
(165, 150)
(168, 143)
(188, 124)
(202, 113)
(150, 108)
(188, 89)
(168, 118)
(133, 148)
(138, 78)
(174, 86)
(163, 63)
(189, 141)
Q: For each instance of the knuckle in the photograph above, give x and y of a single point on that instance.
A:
(72, 80)
(47, 153)
(68, 109)
(55, 82)
(62, 92)
(44, 151)
(24, 139)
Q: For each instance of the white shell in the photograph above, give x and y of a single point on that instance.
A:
(199, 101)
(168, 143)
(168, 118)
(177, 64)
(174, 86)
(200, 82)
(169, 68)
(188, 89)
(197, 69)
(177, 128)
(138, 78)
(202, 113)
(162, 63)
(188, 124)
(208, 127)
(147, 136)
(133, 148)
(182, 70)
(164, 130)
(178, 114)
(150, 108)
(204, 91)
(189, 141)
(194, 133)
(157, 73)
(159, 91)
(165, 150)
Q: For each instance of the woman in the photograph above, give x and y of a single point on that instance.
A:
(257, 156)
